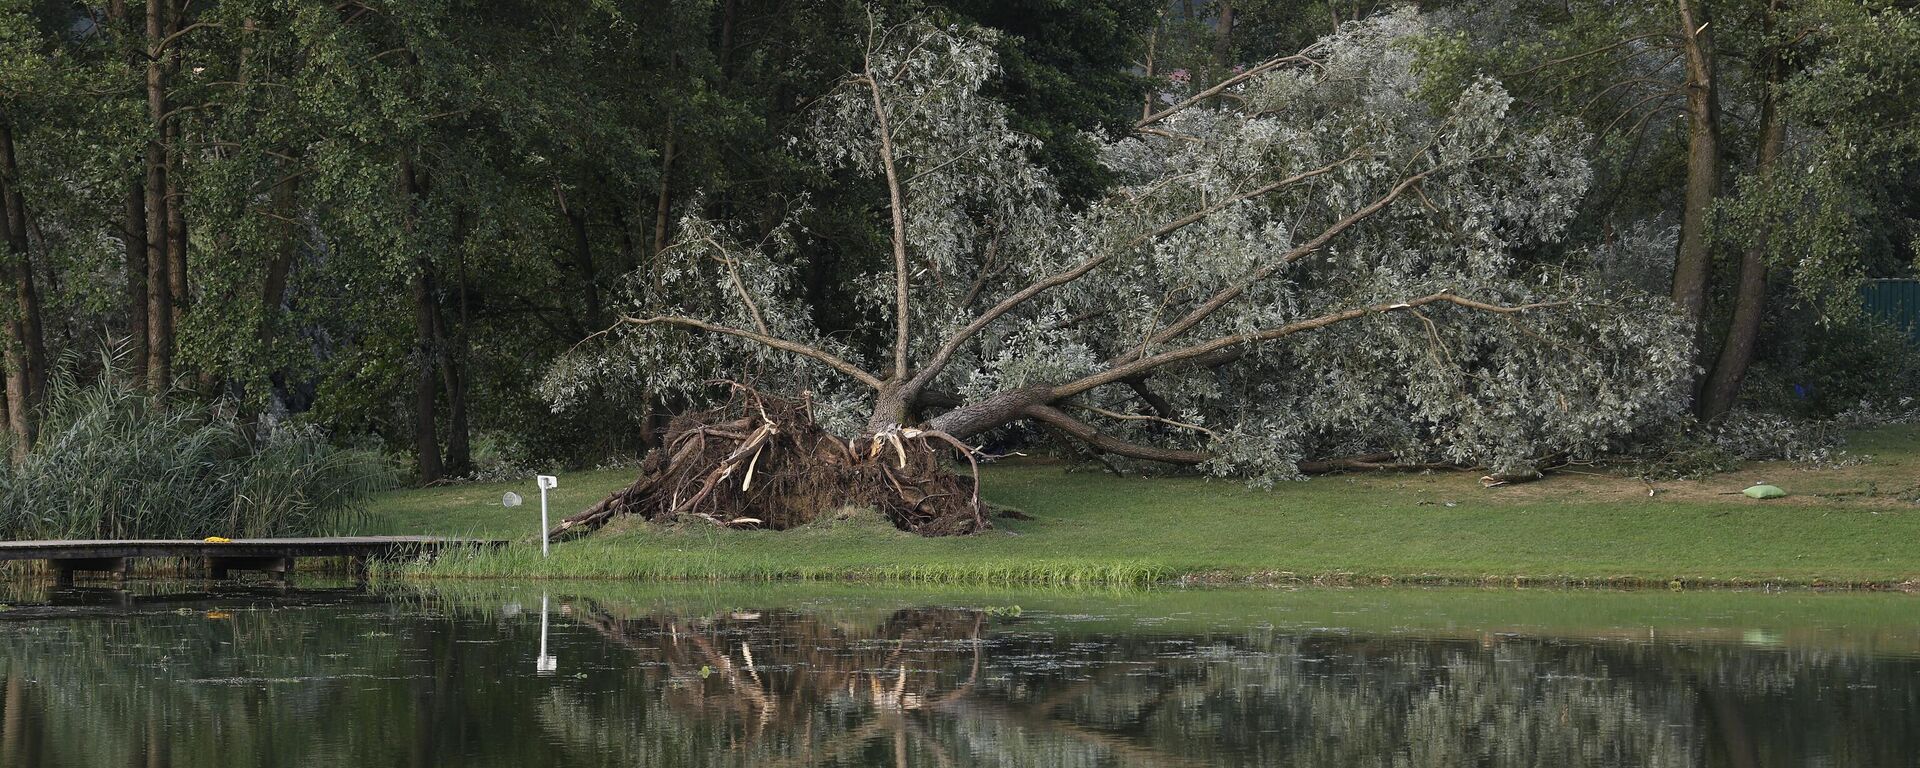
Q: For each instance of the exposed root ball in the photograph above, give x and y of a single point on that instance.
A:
(760, 461)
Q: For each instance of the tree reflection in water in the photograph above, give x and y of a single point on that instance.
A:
(350, 681)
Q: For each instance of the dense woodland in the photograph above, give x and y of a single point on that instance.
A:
(482, 235)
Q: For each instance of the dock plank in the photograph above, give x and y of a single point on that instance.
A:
(319, 546)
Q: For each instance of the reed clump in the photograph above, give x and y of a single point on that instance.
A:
(112, 461)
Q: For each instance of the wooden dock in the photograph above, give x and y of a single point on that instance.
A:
(271, 555)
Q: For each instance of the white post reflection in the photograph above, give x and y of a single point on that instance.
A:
(544, 665)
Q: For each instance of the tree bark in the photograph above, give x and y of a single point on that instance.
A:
(663, 202)
(1694, 261)
(891, 407)
(176, 231)
(133, 228)
(426, 440)
(1103, 443)
(576, 219)
(273, 288)
(969, 419)
(25, 349)
(454, 370)
(134, 232)
(159, 294)
(1729, 372)
(1153, 41)
(453, 376)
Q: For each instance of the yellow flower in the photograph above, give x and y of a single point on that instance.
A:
(217, 540)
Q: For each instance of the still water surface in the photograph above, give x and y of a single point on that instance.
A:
(790, 676)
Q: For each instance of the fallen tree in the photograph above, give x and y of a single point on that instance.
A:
(1327, 265)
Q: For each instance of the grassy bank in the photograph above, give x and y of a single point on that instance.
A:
(1851, 526)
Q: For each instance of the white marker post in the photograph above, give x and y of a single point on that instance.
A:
(545, 482)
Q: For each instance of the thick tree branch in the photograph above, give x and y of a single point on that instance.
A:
(1159, 404)
(1145, 417)
(1303, 57)
(1584, 54)
(797, 348)
(1142, 366)
(946, 352)
(1231, 292)
(1105, 443)
(897, 207)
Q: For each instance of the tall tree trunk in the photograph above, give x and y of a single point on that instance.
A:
(176, 231)
(1694, 261)
(453, 375)
(25, 350)
(725, 52)
(454, 370)
(663, 203)
(135, 231)
(159, 293)
(273, 286)
(134, 224)
(576, 218)
(1729, 370)
(1153, 41)
(26, 293)
(1223, 36)
(426, 440)
(663, 206)
(273, 289)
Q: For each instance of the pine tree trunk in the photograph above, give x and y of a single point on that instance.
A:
(159, 294)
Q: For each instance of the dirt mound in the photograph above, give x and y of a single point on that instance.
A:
(761, 461)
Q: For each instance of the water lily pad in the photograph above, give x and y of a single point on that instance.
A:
(1765, 492)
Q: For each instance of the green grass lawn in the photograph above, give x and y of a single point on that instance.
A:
(1856, 525)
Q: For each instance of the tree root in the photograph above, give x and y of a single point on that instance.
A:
(763, 462)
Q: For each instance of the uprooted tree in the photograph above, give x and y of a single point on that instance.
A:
(1306, 262)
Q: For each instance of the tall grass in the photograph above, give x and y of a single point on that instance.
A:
(113, 462)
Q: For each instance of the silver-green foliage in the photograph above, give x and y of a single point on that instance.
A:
(112, 462)
(1393, 200)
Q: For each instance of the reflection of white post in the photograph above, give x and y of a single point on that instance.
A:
(545, 482)
(544, 665)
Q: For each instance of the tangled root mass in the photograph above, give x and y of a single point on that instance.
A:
(762, 461)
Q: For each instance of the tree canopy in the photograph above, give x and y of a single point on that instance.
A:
(1259, 238)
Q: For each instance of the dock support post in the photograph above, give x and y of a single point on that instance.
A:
(63, 567)
(218, 568)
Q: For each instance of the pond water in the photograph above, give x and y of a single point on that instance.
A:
(583, 675)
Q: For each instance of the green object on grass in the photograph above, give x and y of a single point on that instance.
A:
(1765, 492)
